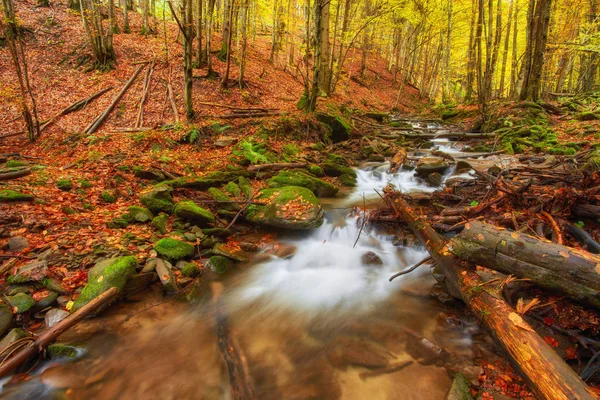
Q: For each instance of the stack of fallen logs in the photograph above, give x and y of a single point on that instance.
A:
(545, 208)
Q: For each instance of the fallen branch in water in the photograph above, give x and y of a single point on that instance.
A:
(49, 336)
(411, 269)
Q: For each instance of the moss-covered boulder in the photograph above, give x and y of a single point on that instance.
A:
(340, 128)
(188, 269)
(289, 207)
(140, 214)
(215, 178)
(151, 174)
(318, 186)
(159, 223)
(246, 187)
(158, 199)
(224, 201)
(347, 180)
(233, 189)
(59, 350)
(587, 116)
(32, 272)
(460, 389)
(8, 195)
(316, 171)
(332, 169)
(192, 212)
(106, 274)
(219, 264)
(174, 249)
(21, 302)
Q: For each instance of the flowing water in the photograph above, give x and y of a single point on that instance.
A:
(314, 316)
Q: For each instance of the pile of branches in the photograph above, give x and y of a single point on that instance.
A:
(516, 245)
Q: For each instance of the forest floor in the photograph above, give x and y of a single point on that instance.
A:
(82, 185)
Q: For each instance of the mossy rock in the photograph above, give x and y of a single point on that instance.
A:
(59, 350)
(347, 180)
(380, 117)
(593, 162)
(289, 207)
(233, 189)
(216, 178)
(174, 249)
(160, 223)
(54, 285)
(158, 199)
(318, 186)
(316, 171)
(189, 270)
(106, 274)
(219, 264)
(246, 187)
(587, 116)
(192, 212)
(21, 302)
(232, 252)
(46, 301)
(64, 184)
(151, 174)
(222, 199)
(108, 197)
(8, 195)
(118, 223)
(15, 164)
(340, 128)
(140, 214)
(460, 389)
(318, 146)
(337, 159)
(449, 114)
(332, 169)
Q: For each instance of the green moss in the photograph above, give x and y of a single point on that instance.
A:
(337, 159)
(85, 184)
(118, 223)
(290, 149)
(219, 264)
(347, 180)
(160, 223)
(107, 274)
(108, 197)
(58, 350)
(587, 116)
(189, 270)
(64, 184)
(174, 249)
(332, 169)
(233, 189)
(318, 146)
(158, 199)
(593, 162)
(340, 128)
(21, 302)
(316, 170)
(192, 212)
(15, 163)
(246, 187)
(318, 186)
(140, 214)
(215, 178)
(8, 195)
(222, 199)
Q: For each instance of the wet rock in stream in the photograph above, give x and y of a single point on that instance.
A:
(347, 351)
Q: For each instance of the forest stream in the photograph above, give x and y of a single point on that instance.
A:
(314, 316)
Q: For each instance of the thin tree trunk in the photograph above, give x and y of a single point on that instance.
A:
(505, 53)
(244, 42)
(225, 77)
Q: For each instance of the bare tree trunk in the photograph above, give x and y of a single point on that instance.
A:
(209, 21)
(533, 63)
(324, 51)
(471, 54)
(100, 41)
(244, 42)
(226, 30)
(199, 48)
(515, 61)
(225, 77)
(505, 53)
(314, 90)
(188, 44)
(274, 32)
(126, 27)
(17, 53)
(446, 84)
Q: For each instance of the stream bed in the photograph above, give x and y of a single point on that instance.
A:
(314, 314)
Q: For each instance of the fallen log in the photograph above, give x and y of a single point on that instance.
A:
(550, 265)
(548, 376)
(275, 166)
(587, 211)
(249, 115)
(584, 238)
(53, 333)
(94, 125)
(14, 174)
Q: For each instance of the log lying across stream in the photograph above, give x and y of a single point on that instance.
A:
(548, 376)
(550, 265)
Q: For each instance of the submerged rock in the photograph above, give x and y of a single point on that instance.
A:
(434, 179)
(288, 207)
(106, 274)
(158, 199)
(219, 264)
(59, 350)
(174, 249)
(229, 251)
(318, 186)
(370, 258)
(192, 212)
(429, 165)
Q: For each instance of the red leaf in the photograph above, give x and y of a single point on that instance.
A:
(548, 321)
(551, 341)
(571, 353)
